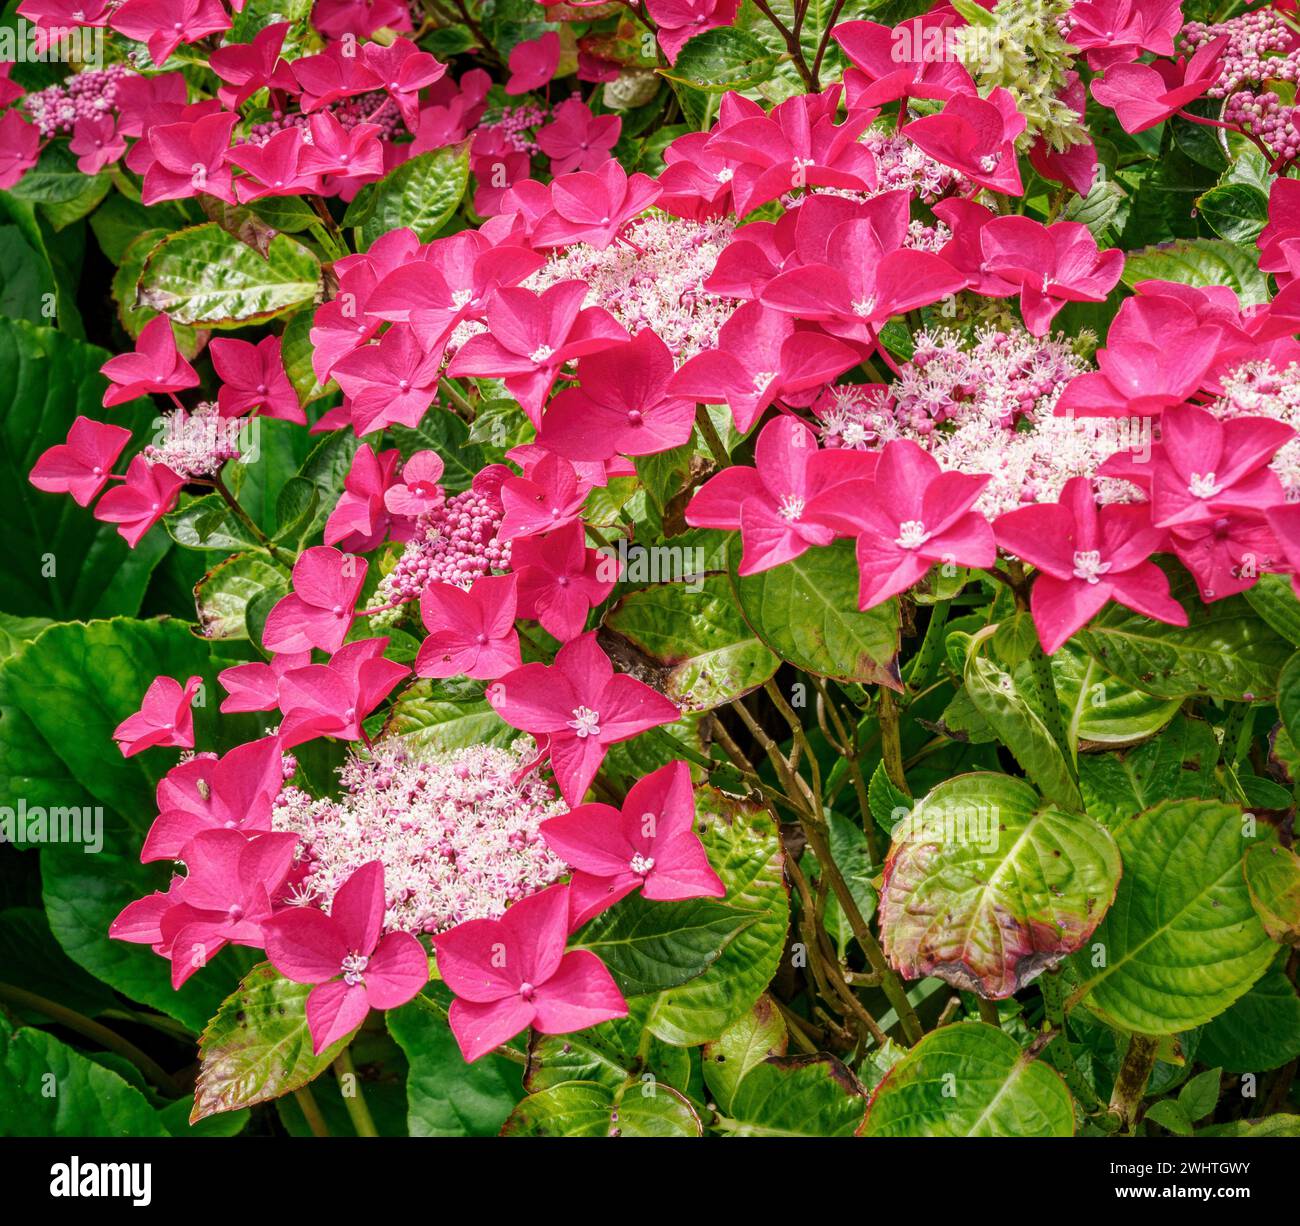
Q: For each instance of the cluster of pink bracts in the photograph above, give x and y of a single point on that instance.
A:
(812, 292)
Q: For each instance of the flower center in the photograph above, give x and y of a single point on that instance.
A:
(541, 354)
(585, 722)
(353, 965)
(1089, 566)
(865, 306)
(911, 534)
(725, 175)
(790, 507)
(763, 380)
(989, 162)
(527, 991)
(1202, 485)
(641, 865)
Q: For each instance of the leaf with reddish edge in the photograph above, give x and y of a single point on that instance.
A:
(987, 885)
(969, 1080)
(257, 1047)
(1273, 880)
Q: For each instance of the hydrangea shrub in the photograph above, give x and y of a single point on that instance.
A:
(662, 568)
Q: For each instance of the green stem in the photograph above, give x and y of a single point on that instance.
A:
(311, 1112)
(704, 423)
(358, 1111)
(891, 740)
(244, 518)
(89, 1029)
(1040, 668)
(989, 1012)
(463, 407)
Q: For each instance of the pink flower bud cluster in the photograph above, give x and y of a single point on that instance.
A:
(518, 125)
(457, 835)
(376, 108)
(56, 109)
(1261, 47)
(901, 163)
(455, 542)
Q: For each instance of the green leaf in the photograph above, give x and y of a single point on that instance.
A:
(1168, 1113)
(741, 1048)
(48, 1089)
(442, 724)
(745, 851)
(589, 1109)
(795, 1096)
(1260, 1032)
(1270, 1126)
(722, 59)
(969, 1080)
(208, 523)
(1020, 727)
(986, 885)
(295, 352)
(1274, 601)
(1178, 762)
(1200, 1095)
(1201, 262)
(613, 1054)
(1100, 709)
(1181, 942)
(55, 179)
(692, 645)
(807, 612)
(1225, 651)
(27, 288)
(1235, 211)
(1099, 208)
(257, 1047)
(888, 805)
(1273, 879)
(852, 856)
(653, 946)
(203, 275)
(446, 1097)
(422, 193)
(223, 595)
(1288, 695)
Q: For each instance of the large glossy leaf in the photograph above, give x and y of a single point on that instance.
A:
(744, 850)
(1260, 1032)
(694, 645)
(444, 725)
(422, 193)
(257, 1047)
(1274, 601)
(1178, 762)
(653, 946)
(48, 1089)
(1182, 941)
(446, 1097)
(1226, 652)
(807, 612)
(1100, 709)
(987, 885)
(1273, 880)
(590, 1109)
(1006, 707)
(1201, 262)
(969, 1080)
(203, 275)
(722, 59)
(795, 1096)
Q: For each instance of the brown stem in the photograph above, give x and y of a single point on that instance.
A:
(1131, 1083)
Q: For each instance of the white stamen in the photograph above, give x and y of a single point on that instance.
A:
(911, 534)
(1089, 566)
(585, 722)
(1202, 485)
